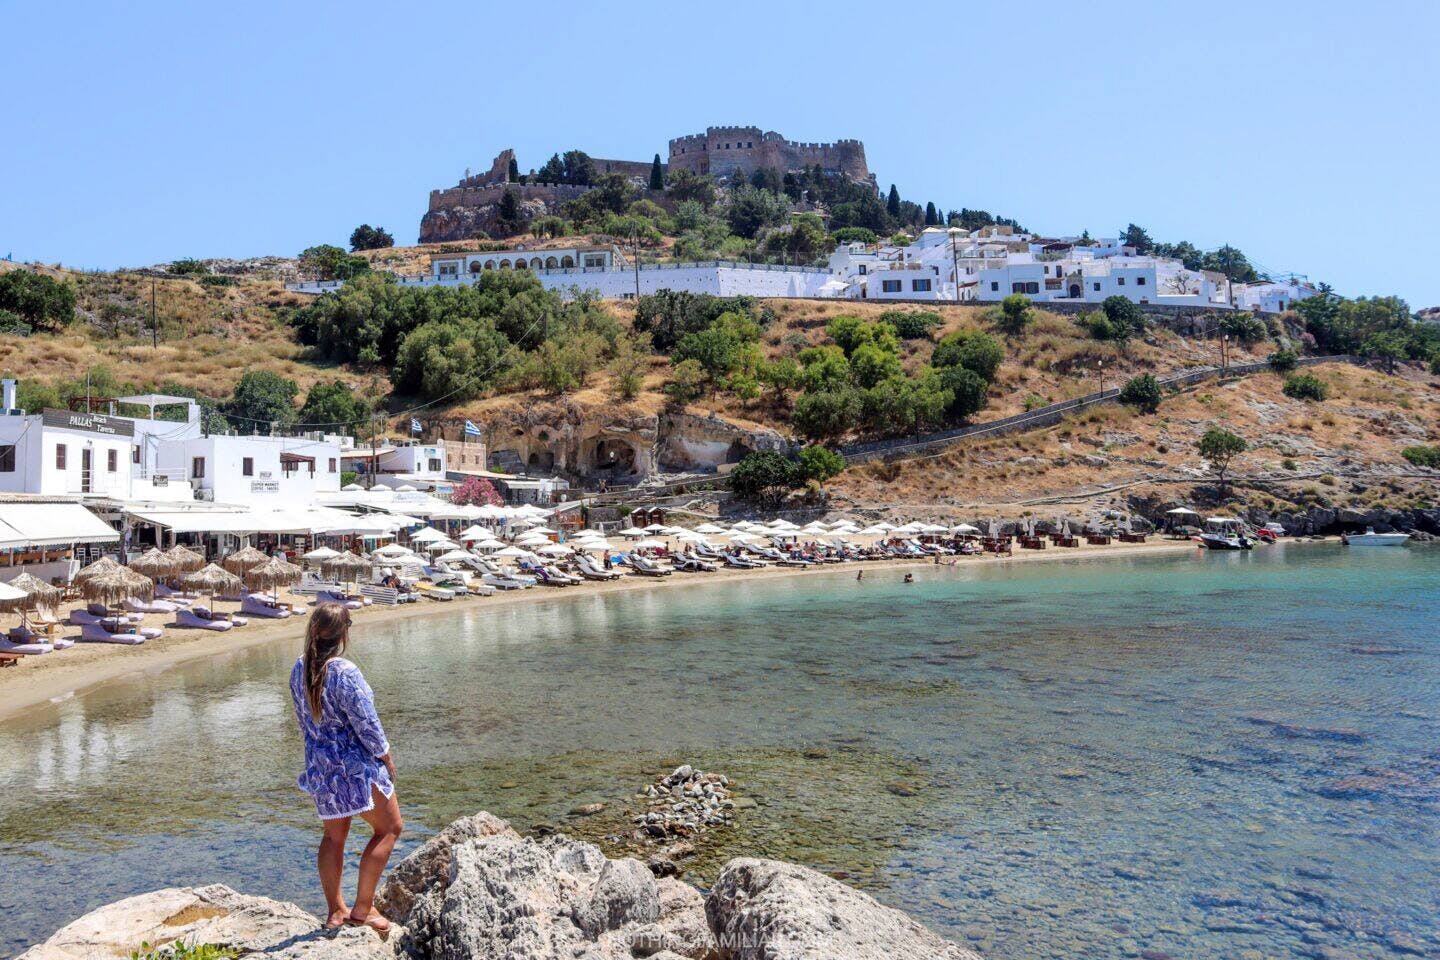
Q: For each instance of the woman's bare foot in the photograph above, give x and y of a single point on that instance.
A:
(337, 917)
(373, 920)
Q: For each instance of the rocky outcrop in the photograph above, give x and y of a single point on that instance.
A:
(480, 891)
(769, 910)
(215, 914)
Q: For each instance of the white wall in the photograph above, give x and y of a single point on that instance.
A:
(268, 485)
(36, 471)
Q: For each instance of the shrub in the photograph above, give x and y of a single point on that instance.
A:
(977, 352)
(263, 400)
(820, 463)
(826, 414)
(668, 315)
(366, 237)
(452, 359)
(855, 235)
(687, 381)
(1303, 386)
(1142, 392)
(870, 365)
(476, 491)
(348, 477)
(1015, 314)
(1422, 456)
(189, 267)
(851, 333)
(1289, 464)
(911, 324)
(1244, 327)
(1284, 360)
(329, 262)
(1033, 401)
(967, 391)
(39, 300)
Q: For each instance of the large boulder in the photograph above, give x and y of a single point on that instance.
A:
(505, 897)
(430, 864)
(770, 910)
(212, 914)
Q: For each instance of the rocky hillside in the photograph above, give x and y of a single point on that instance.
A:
(480, 891)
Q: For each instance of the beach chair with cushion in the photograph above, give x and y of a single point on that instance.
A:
(195, 620)
(205, 613)
(96, 612)
(331, 596)
(21, 644)
(97, 633)
(258, 605)
(136, 605)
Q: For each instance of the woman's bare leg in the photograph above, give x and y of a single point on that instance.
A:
(385, 821)
(331, 862)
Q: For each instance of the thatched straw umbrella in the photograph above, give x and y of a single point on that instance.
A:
(272, 574)
(153, 563)
(346, 566)
(36, 594)
(212, 579)
(101, 566)
(113, 586)
(183, 559)
(243, 559)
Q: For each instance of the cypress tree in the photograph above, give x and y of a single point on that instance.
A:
(657, 176)
(892, 205)
(513, 174)
(931, 217)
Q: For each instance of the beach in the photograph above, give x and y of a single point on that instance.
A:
(37, 681)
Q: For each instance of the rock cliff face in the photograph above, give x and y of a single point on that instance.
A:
(480, 891)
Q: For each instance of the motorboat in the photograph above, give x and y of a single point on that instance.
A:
(1225, 533)
(1372, 539)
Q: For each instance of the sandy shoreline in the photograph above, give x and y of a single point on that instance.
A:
(37, 681)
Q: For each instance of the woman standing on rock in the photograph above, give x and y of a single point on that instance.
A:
(348, 770)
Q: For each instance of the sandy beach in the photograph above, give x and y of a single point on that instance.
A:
(39, 680)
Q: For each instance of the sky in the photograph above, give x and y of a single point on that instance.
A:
(1306, 134)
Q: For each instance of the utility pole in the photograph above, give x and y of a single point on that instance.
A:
(154, 330)
(374, 456)
(955, 265)
(635, 252)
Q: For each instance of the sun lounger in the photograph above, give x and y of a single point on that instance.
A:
(193, 620)
(591, 569)
(330, 596)
(179, 597)
(502, 582)
(96, 612)
(257, 606)
(432, 592)
(649, 568)
(205, 613)
(136, 605)
(95, 633)
(19, 646)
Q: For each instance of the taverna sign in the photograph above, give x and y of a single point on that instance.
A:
(88, 422)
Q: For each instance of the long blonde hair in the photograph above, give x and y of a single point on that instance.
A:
(325, 639)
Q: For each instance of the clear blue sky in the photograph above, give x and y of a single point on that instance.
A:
(1307, 134)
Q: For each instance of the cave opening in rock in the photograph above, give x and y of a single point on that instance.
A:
(613, 457)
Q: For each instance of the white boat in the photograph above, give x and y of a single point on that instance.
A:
(1225, 533)
(1372, 539)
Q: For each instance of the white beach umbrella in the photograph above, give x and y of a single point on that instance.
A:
(426, 535)
(655, 528)
(650, 545)
(352, 488)
(454, 556)
(691, 536)
(935, 528)
(1182, 512)
(709, 529)
(321, 553)
(389, 550)
(632, 532)
(487, 546)
(874, 530)
(475, 532)
(555, 550)
(543, 530)
(964, 528)
(512, 553)
(440, 546)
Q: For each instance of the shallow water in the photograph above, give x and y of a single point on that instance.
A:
(1193, 755)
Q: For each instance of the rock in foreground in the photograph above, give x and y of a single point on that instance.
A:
(479, 891)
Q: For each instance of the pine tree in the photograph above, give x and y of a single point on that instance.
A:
(513, 174)
(657, 176)
(931, 217)
(892, 205)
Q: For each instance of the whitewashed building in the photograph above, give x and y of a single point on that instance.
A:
(257, 471)
(424, 466)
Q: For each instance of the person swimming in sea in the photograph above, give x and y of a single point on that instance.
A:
(909, 578)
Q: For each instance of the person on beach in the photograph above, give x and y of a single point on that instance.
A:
(859, 575)
(909, 578)
(348, 769)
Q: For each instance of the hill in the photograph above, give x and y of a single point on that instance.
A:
(213, 327)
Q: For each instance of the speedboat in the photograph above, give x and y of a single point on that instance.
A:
(1372, 539)
(1225, 533)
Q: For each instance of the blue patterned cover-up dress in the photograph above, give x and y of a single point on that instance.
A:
(343, 748)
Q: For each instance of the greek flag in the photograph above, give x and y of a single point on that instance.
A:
(471, 430)
(415, 426)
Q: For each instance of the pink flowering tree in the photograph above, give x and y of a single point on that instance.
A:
(476, 491)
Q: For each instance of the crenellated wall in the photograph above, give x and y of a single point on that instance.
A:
(723, 151)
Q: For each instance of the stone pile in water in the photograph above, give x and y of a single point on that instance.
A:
(684, 803)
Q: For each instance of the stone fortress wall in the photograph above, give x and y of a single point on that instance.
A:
(724, 151)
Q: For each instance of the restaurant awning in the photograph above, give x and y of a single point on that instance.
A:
(51, 524)
(242, 522)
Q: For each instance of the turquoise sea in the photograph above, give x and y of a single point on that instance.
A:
(1187, 756)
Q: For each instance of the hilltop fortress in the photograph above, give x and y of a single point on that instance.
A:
(467, 209)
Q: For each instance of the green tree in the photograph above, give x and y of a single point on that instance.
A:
(782, 376)
(264, 401)
(509, 217)
(824, 368)
(39, 300)
(1136, 236)
(764, 475)
(892, 202)
(827, 414)
(1386, 346)
(627, 367)
(333, 407)
(977, 352)
(850, 333)
(450, 359)
(687, 381)
(908, 405)
(657, 174)
(820, 464)
(329, 262)
(1304, 386)
(1142, 392)
(366, 237)
(686, 185)
(577, 168)
(1244, 327)
(189, 267)
(870, 364)
(752, 209)
(549, 227)
(911, 324)
(1015, 314)
(931, 217)
(1219, 447)
(854, 235)
(968, 391)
